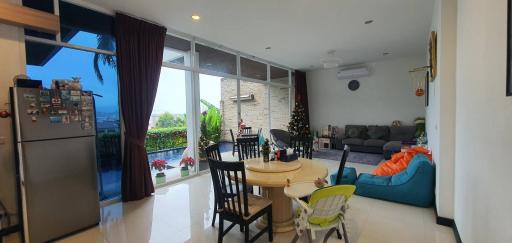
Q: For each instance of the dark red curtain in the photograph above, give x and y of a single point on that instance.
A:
(301, 92)
(140, 48)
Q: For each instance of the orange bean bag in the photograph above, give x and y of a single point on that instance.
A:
(399, 161)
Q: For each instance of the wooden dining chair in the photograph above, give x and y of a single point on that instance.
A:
(246, 130)
(235, 205)
(248, 147)
(235, 147)
(303, 145)
(213, 152)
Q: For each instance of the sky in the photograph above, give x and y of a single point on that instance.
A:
(171, 95)
(69, 63)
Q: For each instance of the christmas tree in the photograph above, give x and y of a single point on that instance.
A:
(298, 125)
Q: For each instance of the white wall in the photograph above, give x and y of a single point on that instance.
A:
(483, 202)
(388, 94)
(12, 62)
(440, 118)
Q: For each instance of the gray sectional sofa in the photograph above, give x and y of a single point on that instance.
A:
(377, 139)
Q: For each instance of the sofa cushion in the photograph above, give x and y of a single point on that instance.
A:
(374, 143)
(370, 179)
(378, 132)
(355, 131)
(353, 141)
(402, 133)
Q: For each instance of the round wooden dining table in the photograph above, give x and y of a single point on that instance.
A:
(272, 178)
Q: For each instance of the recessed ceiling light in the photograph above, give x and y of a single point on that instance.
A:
(268, 48)
(386, 53)
(196, 17)
(368, 21)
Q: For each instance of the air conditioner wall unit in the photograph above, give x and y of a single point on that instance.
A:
(353, 73)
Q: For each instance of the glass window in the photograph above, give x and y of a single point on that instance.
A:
(96, 28)
(166, 139)
(216, 60)
(42, 5)
(278, 75)
(253, 69)
(229, 108)
(279, 107)
(177, 51)
(50, 62)
(254, 106)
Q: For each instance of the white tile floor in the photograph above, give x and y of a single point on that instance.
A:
(183, 212)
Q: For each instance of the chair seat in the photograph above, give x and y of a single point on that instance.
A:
(349, 176)
(256, 204)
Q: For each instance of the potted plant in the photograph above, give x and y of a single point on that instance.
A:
(185, 163)
(159, 165)
(265, 150)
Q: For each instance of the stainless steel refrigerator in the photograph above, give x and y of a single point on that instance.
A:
(56, 159)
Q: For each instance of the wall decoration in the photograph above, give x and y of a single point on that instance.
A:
(432, 48)
(353, 85)
(508, 90)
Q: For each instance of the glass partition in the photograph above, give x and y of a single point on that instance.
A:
(253, 69)
(278, 75)
(215, 60)
(177, 51)
(279, 107)
(254, 110)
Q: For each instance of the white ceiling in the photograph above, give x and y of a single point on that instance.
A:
(300, 32)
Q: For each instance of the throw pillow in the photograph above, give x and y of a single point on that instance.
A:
(376, 132)
(353, 132)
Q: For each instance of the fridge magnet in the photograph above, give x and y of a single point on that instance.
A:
(32, 105)
(86, 125)
(56, 102)
(34, 118)
(62, 111)
(29, 97)
(44, 99)
(74, 98)
(65, 119)
(33, 112)
(64, 94)
(44, 110)
(55, 119)
(75, 93)
(44, 92)
(45, 105)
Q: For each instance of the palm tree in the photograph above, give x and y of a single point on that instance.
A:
(105, 42)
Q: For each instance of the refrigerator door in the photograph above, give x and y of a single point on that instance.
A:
(59, 187)
(33, 127)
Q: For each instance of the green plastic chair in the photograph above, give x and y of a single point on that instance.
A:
(325, 210)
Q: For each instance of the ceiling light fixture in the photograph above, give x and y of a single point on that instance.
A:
(268, 48)
(368, 21)
(196, 17)
(386, 53)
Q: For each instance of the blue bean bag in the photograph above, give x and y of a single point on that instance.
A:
(414, 185)
(348, 178)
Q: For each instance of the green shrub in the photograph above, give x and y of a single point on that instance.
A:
(213, 120)
(166, 138)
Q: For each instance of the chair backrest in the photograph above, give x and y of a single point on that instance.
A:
(280, 137)
(232, 136)
(247, 130)
(303, 145)
(248, 147)
(213, 152)
(328, 203)
(341, 167)
(226, 176)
